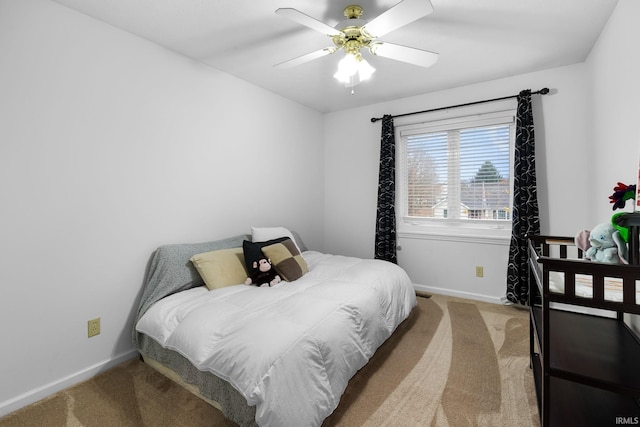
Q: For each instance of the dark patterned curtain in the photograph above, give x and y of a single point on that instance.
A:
(525, 202)
(386, 215)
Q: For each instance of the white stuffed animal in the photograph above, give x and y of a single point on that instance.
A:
(606, 245)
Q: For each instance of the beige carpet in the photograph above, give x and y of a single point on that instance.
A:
(454, 362)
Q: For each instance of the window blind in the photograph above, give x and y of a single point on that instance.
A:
(462, 172)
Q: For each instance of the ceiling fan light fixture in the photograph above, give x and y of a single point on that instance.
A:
(342, 77)
(348, 65)
(351, 65)
(365, 70)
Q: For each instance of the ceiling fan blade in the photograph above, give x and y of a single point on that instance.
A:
(306, 20)
(398, 16)
(422, 58)
(305, 58)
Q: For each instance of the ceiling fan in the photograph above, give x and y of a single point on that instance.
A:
(354, 34)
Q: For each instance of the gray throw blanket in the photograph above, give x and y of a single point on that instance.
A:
(170, 271)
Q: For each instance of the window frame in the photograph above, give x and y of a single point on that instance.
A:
(485, 231)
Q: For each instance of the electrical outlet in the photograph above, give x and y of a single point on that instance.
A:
(479, 271)
(94, 327)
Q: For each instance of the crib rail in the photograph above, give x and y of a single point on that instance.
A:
(549, 254)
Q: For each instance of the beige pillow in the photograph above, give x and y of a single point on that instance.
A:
(287, 260)
(224, 267)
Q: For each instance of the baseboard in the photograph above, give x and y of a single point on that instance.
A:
(459, 294)
(46, 390)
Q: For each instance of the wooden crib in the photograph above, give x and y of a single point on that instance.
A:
(585, 353)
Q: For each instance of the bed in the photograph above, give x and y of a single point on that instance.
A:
(268, 356)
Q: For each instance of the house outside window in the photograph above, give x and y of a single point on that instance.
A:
(455, 174)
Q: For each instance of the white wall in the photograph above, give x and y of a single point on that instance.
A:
(109, 147)
(615, 145)
(613, 70)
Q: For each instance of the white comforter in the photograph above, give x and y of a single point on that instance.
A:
(290, 349)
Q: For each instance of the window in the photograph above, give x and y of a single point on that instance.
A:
(457, 171)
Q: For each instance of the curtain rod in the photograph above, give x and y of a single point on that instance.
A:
(542, 91)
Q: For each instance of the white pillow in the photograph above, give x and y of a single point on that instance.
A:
(262, 234)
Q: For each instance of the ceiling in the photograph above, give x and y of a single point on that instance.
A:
(477, 41)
